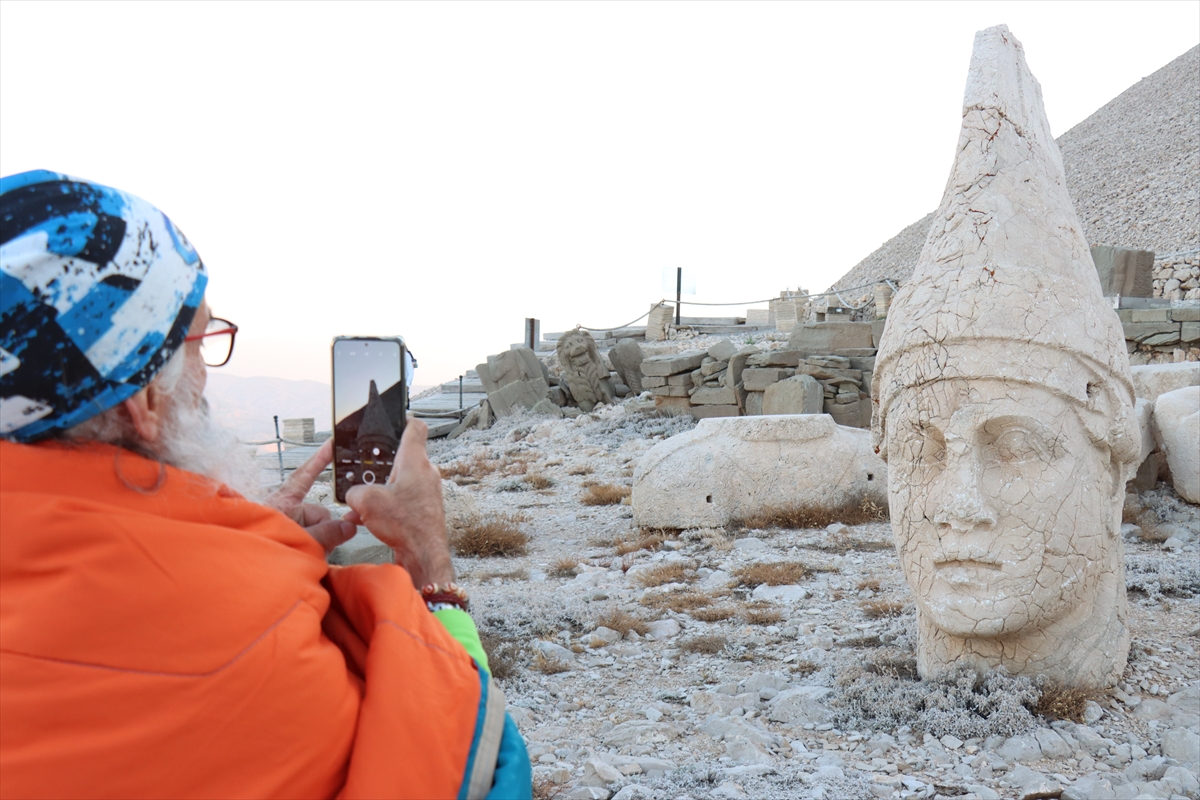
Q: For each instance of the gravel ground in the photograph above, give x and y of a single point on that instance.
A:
(805, 690)
(1133, 170)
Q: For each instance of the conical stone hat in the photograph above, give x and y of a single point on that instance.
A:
(1005, 286)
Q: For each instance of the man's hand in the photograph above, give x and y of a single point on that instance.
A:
(289, 499)
(407, 513)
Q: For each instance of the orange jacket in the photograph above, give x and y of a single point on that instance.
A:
(180, 642)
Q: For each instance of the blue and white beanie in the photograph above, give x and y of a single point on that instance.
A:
(97, 291)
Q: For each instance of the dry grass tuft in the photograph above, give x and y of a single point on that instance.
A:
(565, 567)
(500, 535)
(518, 574)
(539, 481)
(893, 663)
(501, 654)
(623, 622)
(546, 789)
(605, 494)
(772, 573)
(706, 645)
(712, 613)
(800, 517)
(665, 573)
(549, 666)
(1063, 702)
(580, 469)
(805, 667)
(682, 602)
(762, 615)
(877, 609)
(845, 542)
(643, 541)
(475, 467)
(1148, 530)
(869, 583)
(861, 641)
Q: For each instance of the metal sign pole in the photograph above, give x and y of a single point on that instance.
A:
(460, 379)
(678, 292)
(279, 447)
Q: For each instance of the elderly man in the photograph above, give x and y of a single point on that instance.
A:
(160, 634)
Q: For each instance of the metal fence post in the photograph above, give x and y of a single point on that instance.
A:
(460, 379)
(678, 293)
(279, 447)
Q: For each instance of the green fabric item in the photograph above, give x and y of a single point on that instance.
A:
(459, 624)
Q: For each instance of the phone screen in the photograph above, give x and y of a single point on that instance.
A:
(369, 400)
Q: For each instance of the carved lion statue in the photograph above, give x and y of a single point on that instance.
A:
(583, 369)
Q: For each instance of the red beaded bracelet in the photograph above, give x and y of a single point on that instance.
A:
(451, 594)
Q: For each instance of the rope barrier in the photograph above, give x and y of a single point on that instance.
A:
(618, 327)
(284, 441)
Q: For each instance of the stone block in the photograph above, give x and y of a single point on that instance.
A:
(684, 379)
(1177, 419)
(671, 391)
(722, 350)
(758, 317)
(737, 365)
(518, 364)
(1150, 315)
(826, 337)
(754, 404)
(713, 367)
(863, 364)
(1141, 331)
(686, 481)
(680, 404)
(1161, 340)
(800, 706)
(627, 359)
(709, 411)
(1186, 313)
(650, 383)
(517, 395)
(847, 414)
(1189, 332)
(673, 363)
(801, 394)
(662, 316)
(877, 331)
(1151, 380)
(720, 396)
(1122, 271)
(757, 379)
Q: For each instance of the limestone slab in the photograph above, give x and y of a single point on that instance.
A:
(720, 396)
(826, 337)
(672, 363)
(731, 468)
(801, 394)
(1177, 419)
(1151, 380)
(757, 379)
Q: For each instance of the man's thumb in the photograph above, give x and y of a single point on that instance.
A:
(332, 532)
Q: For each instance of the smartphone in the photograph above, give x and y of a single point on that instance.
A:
(370, 398)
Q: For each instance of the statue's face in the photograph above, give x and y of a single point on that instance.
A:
(1001, 504)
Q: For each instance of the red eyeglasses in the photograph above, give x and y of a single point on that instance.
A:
(216, 342)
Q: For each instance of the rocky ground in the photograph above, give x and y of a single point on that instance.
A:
(646, 664)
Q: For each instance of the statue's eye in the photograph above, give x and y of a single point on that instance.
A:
(1018, 445)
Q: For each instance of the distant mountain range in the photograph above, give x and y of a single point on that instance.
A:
(247, 405)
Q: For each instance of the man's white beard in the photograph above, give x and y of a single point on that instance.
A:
(189, 439)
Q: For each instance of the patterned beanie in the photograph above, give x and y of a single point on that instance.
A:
(97, 291)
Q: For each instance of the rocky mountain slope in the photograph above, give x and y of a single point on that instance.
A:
(1133, 171)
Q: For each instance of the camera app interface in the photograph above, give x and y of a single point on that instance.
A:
(368, 411)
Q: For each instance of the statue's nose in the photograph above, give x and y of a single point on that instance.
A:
(960, 504)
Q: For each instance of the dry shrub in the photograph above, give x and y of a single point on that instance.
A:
(894, 663)
(1063, 702)
(644, 541)
(475, 467)
(549, 666)
(565, 567)
(877, 609)
(1148, 530)
(762, 615)
(799, 517)
(539, 481)
(665, 573)
(501, 654)
(712, 613)
(706, 645)
(546, 789)
(518, 574)
(680, 602)
(869, 583)
(805, 667)
(772, 573)
(554, 462)
(861, 641)
(623, 622)
(605, 494)
(845, 542)
(580, 469)
(500, 535)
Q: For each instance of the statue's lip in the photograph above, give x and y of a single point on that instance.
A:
(942, 563)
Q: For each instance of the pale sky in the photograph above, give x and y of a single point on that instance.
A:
(440, 171)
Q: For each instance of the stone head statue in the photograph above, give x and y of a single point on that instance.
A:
(1005, 407)
(583, 369)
